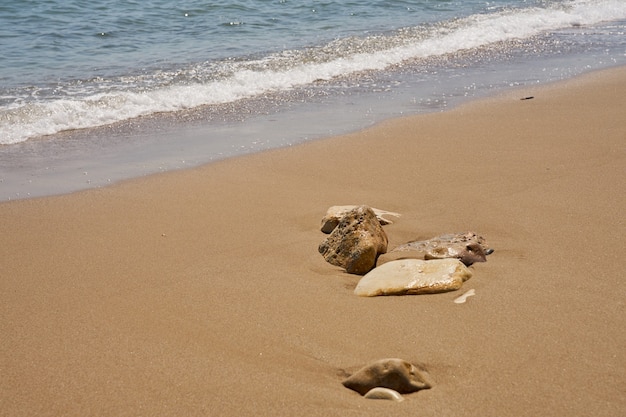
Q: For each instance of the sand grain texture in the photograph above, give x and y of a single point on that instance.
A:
(201, 292)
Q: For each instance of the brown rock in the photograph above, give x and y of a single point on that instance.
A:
(396, 374)
(335, 214)
(467, 247)
(356, 242)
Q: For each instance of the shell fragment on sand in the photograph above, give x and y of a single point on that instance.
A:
(413, 276)
(463, 298)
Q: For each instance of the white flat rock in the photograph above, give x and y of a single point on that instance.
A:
(414, 276)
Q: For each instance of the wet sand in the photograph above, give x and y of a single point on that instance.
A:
(201, 292)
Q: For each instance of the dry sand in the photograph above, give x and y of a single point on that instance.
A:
(201, 292)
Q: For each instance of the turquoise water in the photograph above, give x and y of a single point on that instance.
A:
(61, 40)
(137, 81)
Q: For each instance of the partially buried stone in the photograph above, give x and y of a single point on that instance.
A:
(395, 374)
(380, 393)
(356, 242)
(467, 247)
(413, 276)
(335, 214)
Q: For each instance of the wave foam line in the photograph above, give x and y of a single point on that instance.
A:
(45, 118)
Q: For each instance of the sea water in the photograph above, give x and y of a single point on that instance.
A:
(94, 92)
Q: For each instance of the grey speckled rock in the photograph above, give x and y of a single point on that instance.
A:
(467, 247)
(396, 374)
(413, 276)
(356, 242)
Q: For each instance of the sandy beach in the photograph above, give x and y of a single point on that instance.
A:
(202, 292)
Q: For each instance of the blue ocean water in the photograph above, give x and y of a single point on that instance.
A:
(89, 85)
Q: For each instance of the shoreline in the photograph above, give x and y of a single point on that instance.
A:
(99, 157)
(201, 291)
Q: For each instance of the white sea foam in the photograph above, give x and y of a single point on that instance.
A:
(214, 83)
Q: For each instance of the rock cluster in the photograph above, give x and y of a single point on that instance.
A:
(358, 243)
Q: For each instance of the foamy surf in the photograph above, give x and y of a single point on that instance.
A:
(29, 113)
